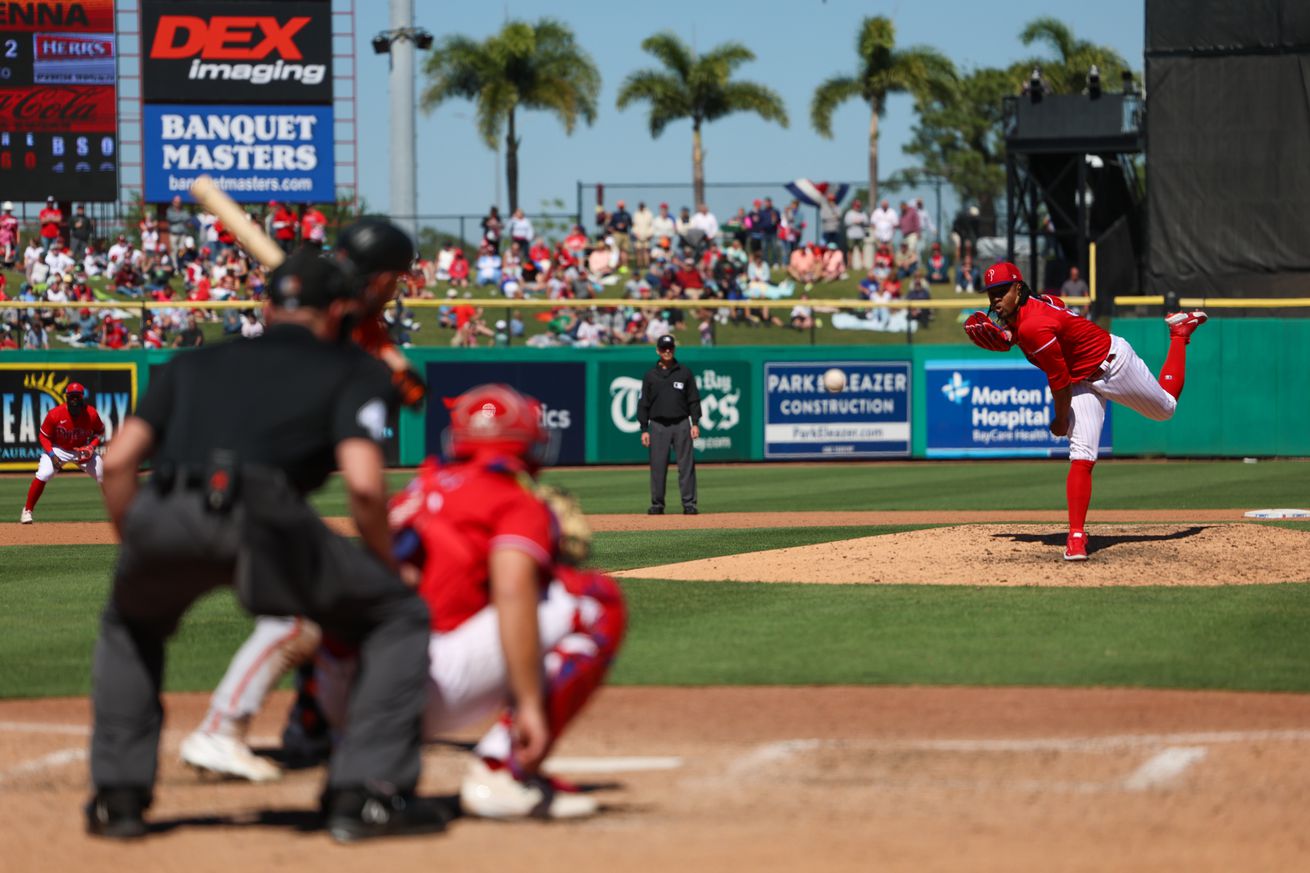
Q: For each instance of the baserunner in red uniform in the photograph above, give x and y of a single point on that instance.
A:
(71, 432)
(1086, 367)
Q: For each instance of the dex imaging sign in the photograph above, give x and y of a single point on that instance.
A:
(235, 52)
(254, 153)
(992, 409)
(869, 418)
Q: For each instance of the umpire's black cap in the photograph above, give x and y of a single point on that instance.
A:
(307, 278)
(666, 342)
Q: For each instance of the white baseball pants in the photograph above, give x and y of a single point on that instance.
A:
(52, 463)
(467, 678)
(1126, 381)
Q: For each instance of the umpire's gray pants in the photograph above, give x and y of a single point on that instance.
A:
(174, 551)
(662, 436)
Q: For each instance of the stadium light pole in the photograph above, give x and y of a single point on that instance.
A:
(400, 42)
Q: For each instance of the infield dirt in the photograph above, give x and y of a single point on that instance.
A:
(767, 779)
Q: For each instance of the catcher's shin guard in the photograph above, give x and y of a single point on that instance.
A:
(577, 665)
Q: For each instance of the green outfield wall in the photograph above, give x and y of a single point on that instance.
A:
(1247, 392)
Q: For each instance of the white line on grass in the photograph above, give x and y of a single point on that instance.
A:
(45, 762)
(1163, 768)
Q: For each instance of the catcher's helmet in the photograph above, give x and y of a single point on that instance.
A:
(496, 419)
(373, 244)
(74, 388)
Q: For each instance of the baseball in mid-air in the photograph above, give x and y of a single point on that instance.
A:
(834, 380)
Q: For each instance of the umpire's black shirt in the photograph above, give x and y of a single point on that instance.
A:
(283, 400)
(668, 395)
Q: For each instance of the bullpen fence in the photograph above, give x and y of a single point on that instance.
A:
(1245, 396)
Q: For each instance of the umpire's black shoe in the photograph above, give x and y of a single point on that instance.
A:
(117, 813)
(655, 510)
(357, 814)
(690, 510)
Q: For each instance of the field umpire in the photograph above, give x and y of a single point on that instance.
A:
(668, 412)
(237, 434)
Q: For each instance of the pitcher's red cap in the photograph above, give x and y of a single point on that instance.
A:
(1001, 273)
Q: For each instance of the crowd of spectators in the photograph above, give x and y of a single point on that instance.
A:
(711, 271)
(176, 253)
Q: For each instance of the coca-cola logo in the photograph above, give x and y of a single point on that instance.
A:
(58, 109)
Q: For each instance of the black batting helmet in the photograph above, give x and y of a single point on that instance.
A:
(373, 244)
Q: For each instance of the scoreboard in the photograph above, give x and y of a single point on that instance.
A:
(58, 100)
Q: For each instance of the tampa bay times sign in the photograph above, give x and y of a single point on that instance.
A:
(29, 391)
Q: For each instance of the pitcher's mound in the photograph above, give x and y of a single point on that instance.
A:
(990, 554)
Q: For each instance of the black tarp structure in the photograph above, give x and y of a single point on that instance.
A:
(1071, 179)
(1228, 147)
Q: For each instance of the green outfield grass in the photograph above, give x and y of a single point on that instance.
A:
(685, 633)
(1037, 485)
(710, 633)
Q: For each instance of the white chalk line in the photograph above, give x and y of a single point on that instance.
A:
(612, 765)
(45, 762)
(1164, 768)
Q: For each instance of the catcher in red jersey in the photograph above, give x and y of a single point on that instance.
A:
(516, 628)
(71, 432)
(1086, 367)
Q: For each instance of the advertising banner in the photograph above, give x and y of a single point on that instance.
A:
(29, 391)
(236, 52)
(725, 394)
(58, 104)
(869, 418)
(561, 388)
(992, 409)
(254, 153)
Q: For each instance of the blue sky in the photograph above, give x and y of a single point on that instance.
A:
(797, 45)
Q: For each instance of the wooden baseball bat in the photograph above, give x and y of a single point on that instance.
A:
(248, 233)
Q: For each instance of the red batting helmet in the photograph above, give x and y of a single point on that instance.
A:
(74, 388)
(496, 419)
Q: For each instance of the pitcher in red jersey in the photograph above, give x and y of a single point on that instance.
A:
(1086, 367)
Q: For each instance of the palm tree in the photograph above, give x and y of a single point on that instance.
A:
(1068, 75)
(524, 66)
(919, 71)
(697, 87)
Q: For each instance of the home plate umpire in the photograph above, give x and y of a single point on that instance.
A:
(237, 434)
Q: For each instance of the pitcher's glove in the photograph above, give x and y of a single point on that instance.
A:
(984, 333)
(574, 531)
(410, 386)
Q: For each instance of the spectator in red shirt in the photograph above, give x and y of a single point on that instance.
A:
(459, 270)
(313, 227)
(283, 226)
(687, 280)
(113, 335)
(576, 241)
(51, 219)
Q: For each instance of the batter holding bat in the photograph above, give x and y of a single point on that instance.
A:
(71, 432)
(1086, 367)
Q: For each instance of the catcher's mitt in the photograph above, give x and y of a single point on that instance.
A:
(574, 531)
(984, 333)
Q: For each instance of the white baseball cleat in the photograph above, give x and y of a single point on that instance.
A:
(227, 756)
(495, 793)
(25, 517)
